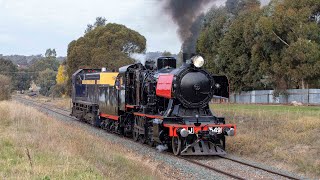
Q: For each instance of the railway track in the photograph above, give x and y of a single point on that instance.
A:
(48, 107)
(213, 168)
(258, 167)
(242, 175)
(66, 113)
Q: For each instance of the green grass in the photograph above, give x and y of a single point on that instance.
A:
(284, 136)
(9, 156)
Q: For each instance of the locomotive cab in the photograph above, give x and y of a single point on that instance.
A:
(166, 62)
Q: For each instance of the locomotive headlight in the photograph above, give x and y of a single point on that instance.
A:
(230, 132)
(198, 61)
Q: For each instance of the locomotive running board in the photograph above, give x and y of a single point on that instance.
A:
(206, 148)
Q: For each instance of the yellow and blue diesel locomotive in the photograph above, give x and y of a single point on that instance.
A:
(156, 103)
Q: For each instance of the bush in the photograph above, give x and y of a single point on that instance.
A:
(59, 90)
(46, 80)
(5, 88)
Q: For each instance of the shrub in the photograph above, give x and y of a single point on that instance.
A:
(59, 90)
(5, 88)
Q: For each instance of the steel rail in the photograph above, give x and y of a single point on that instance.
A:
(212, 168)
(258, 167)
(51, 105)
(47, 108)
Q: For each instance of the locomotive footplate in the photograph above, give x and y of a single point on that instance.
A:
(200, 147)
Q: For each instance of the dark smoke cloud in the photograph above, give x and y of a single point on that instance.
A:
(186, 13)
(189, 44)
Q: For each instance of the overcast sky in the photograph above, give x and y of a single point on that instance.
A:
(31, 26)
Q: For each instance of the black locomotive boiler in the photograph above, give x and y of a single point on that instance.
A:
(156, 104)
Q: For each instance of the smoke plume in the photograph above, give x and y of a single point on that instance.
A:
(186, 13)
(138, 57)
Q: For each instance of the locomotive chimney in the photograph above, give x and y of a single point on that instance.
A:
(187, 56)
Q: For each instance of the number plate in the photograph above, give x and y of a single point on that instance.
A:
(217, 130)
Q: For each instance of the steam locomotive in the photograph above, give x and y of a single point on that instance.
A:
(156, 104)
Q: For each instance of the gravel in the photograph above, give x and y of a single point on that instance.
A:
(244, 171)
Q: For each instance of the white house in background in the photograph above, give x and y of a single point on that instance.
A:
(34, 87)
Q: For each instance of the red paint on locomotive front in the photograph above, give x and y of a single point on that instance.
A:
(164, 86)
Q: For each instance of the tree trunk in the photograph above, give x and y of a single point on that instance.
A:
(302, 84)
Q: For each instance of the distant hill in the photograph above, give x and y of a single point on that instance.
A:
(26, 60)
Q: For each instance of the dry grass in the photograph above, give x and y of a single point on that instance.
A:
(63, 102)
(284, 136)
(35, 146)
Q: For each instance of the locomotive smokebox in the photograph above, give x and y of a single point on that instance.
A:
(187, 56)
